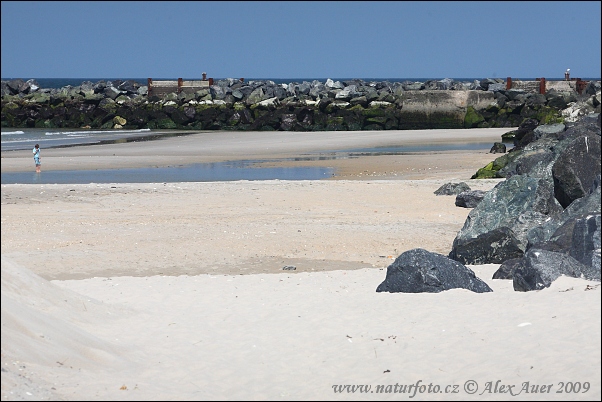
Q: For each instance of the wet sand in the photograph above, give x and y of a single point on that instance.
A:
(278, 146)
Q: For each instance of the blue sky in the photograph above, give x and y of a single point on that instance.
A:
(298, 39)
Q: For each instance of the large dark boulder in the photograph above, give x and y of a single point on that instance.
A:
(418, 271)
(576, 168)
(560, 228)
(560, 241)
(557, 100)
(492, 247)
(497, 228)
(539, 268)
(535, 159)
(588, 124)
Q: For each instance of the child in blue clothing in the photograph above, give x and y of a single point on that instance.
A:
(36, 158)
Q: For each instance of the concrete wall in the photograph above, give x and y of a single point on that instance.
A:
(533, 86)
(562, 86)
(441, 108)
(161, 88)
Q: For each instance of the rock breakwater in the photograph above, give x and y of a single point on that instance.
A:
(232, 104)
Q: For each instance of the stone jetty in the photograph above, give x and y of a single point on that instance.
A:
(233, 104)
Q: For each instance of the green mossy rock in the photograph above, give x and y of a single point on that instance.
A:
(107, 125)
(376, 120)
(166, 123)
(509, 136)
(372, 112)
(487, 172)
(10, 106)
(548, 115)
(472, 118)
(501, 161)
(484, 174)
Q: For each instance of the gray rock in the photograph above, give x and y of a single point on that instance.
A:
(219, 92)
(418, 271)
(470, 199)
(334, 85)
(492, 247)
(576, 168)
(129, 86)
(592, 87)
(452, 188)
(304, 88)
(496, 87)
(590, 204)
(111, 92)
(14, 85)
(535, 159)
(279, 93)
(525, 128)
(497, 228)
(255, 97)
(549, 131)
(539, 268)
(535, 100)
(585, 246)
(507, 269)
(498, 148)
(414, 86)
(29, 86)
(559, 241)
(288, 122)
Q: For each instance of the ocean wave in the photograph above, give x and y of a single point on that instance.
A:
(12, 132)
(77, 133)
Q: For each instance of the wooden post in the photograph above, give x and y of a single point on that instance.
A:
(179, 85)
(508, 83)
(150, 86)
(542, 86)
(580, 86)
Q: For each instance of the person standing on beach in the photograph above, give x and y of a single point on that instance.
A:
(36, 158)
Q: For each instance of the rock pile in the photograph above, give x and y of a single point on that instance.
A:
(542, 222)
(230, 104)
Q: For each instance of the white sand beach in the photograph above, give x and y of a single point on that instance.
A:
(176, 291)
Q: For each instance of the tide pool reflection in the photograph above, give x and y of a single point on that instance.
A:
(222, 171)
